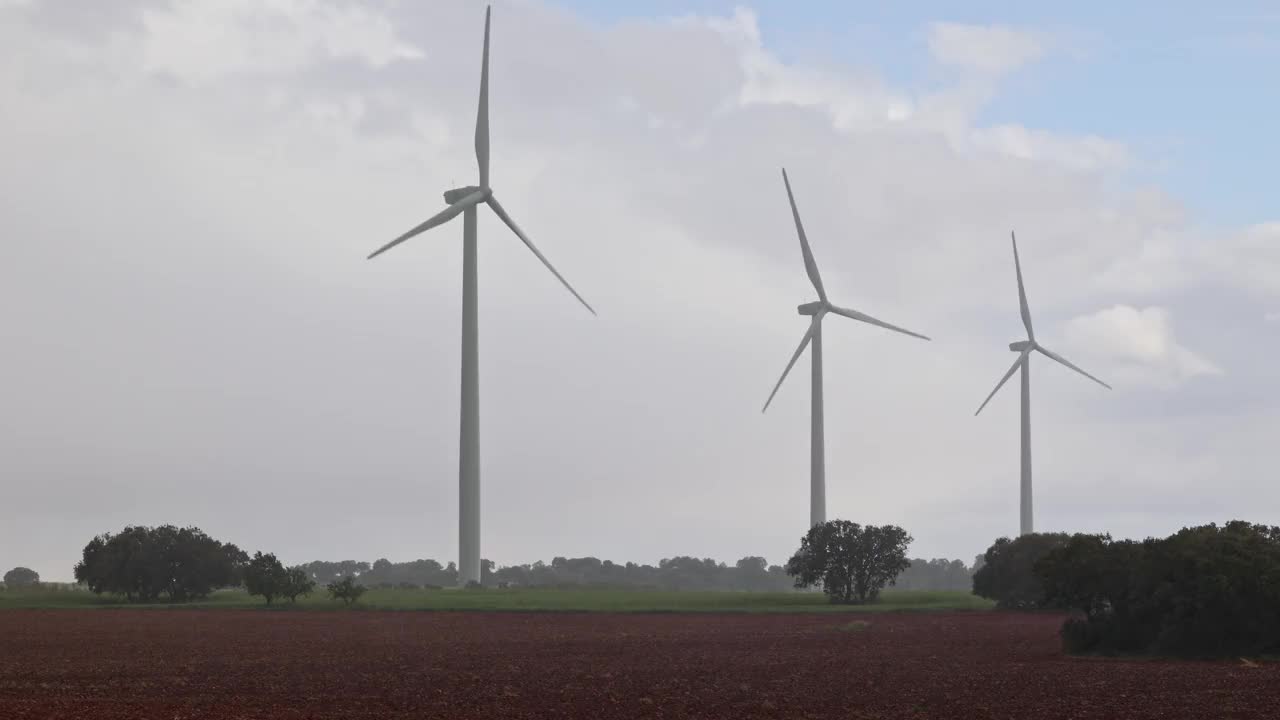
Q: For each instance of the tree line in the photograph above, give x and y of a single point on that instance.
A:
(168, 563)
(683, 572)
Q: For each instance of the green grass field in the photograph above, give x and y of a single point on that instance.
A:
(584, 600)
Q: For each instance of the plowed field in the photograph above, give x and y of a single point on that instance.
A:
(106, 664)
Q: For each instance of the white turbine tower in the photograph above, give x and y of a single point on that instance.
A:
(817, 310)
(1024, 348)
(464, 201)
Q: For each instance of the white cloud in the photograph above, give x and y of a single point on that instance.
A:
(1139, 346)
(1251, 258)
(992, 49)
(203, 40)
(1087, 153)
(853, 102)
(860, 101)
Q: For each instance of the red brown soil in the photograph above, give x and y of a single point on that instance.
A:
(244, 664)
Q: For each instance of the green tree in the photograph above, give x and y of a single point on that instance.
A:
(853, 563)
(265, 576)
(144, 564)
(1008, 572)
(751, 573)
(1082, 574)
(345, 590)
(21, 577)
(1203, 591)
(297, 583)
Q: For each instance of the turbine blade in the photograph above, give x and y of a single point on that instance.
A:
(810, 266)
(502, 214)
(808, 335)
(868, 319)
(482, 115)
(440, 218)
(1055, 356)
(1022, 291)
(1012, 369)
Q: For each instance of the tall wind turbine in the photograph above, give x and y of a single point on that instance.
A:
(816, 311)
(464, 201)
(1024, 348)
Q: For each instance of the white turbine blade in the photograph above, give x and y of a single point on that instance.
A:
(868, 319)
(1012, 369)
(1055, 356)
(502, 214)
(808, 335)
(1022, 291)
(440, 218)
(482, 115)
(810, 266)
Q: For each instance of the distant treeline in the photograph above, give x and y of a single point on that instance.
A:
(936, 574)
(148, 564)
(678, 573)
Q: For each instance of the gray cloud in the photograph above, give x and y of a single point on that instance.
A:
(197, 338)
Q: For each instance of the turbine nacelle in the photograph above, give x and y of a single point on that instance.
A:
(453, 196)
(812, 308)
(1021, 345)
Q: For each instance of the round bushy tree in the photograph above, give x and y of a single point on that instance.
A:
(21, 577)
(852, 563)
(266, 577)
(145, 564)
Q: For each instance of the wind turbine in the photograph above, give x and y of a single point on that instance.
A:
(816, 311)
(464, 201)
(1024, 348)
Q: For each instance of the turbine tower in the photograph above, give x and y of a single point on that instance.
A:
(1024, 348)
(464, 201)
(816, 311)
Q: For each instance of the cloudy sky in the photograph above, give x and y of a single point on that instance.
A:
(191, 333)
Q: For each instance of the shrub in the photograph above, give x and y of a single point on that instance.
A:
(1203, 591)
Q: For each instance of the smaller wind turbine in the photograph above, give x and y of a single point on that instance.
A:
(1024, 348)
(817, 310)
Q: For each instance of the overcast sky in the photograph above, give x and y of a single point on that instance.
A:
(191, 333)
